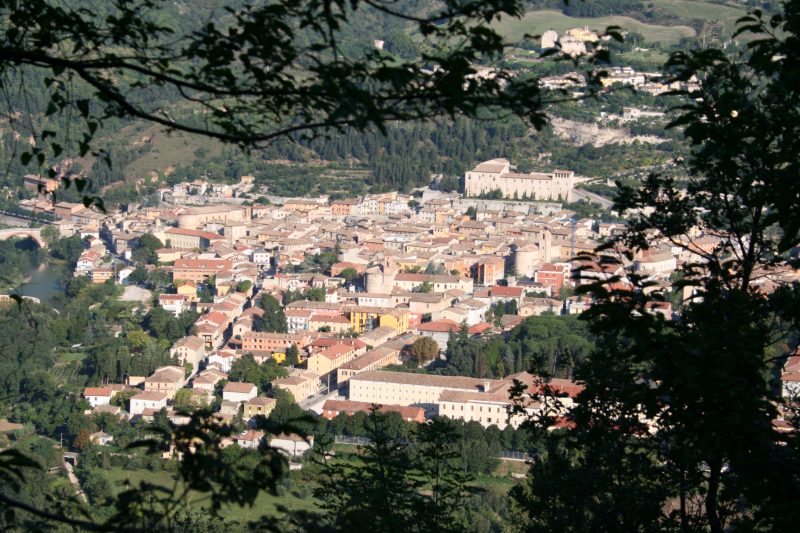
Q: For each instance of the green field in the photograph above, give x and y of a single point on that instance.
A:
(537, 22)
(265, 504)
(706, 11)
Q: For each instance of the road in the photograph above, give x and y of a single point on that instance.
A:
(583, 194)
(316, 403)
(74, 480)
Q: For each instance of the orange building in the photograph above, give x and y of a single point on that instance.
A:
(197, 270)
(344, 207)
(254, 341)
(490, 270)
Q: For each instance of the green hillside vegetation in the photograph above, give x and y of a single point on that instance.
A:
(537, 22)
(725, 14)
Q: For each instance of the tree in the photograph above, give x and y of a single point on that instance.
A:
(183, 400)
(50, 234)
(145, 252)
(274, 319)
(424, 350)
(82, 440)
(712, 460)
(424, 287)
(381, 494)
(471, 212)
(244, 286)
(349, 274)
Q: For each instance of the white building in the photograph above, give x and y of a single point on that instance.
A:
(98, 395)
(239, 392)
(148, 400)
(497, 175)
(292, 445)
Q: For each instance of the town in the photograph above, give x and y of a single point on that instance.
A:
(360, 285)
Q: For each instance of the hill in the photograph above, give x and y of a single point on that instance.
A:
(537, 22)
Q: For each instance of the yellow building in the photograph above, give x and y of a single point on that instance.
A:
(396, 319)
(188, 289)
(259, 406)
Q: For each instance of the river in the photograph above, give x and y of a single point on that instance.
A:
(44, 282)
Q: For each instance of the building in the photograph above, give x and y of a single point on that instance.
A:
(174, 303)
(198, 270)
(333, 408)
(292, 445)
(190, 350)
(273, 342)
(148, 400)
(423, 390)
(439, 331)
(39, 184)
(103, 273)
(553, 275)
(239, 392)
(98, 395)
(302, 384)
(259, 405)
(497, 175)
(166, 379)
(197, 217)
(250, 439)
(372, 360)
(191, 239)
(490, 270)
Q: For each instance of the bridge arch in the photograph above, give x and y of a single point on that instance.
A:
(33, 233)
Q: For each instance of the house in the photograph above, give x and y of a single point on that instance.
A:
(790, 378)
(292, 444)
(222, 359)
(101, 438)
(98, 395)
(553, 275)
(490, 270)
(87, 262)
(173, 303)
(439, 330)
(191, 350)
(302, 384)
(250, 439)
(208, 379)
(156, 400)
(211, 328)
(259, 405)
(101, 274)
(239, 392)
(187, 289)
(167, 379)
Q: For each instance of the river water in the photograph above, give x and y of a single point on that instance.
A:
(44, 282)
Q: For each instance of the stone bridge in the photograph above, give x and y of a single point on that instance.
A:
(33, 233)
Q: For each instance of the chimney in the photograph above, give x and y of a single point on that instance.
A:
(486, 385)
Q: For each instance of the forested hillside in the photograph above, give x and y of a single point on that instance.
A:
(342, 163)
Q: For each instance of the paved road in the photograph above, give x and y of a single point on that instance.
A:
(316, 403)
(583, 194)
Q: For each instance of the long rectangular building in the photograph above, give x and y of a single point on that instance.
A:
(403, 388)
(496, 175)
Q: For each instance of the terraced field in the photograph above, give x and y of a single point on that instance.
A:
(537, 22)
